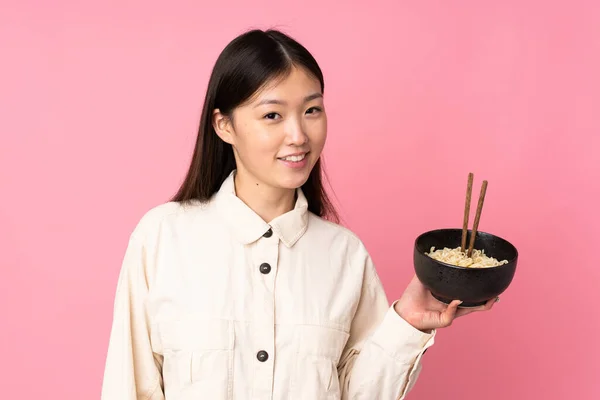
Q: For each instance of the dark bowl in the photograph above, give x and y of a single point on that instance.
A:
(474, 286)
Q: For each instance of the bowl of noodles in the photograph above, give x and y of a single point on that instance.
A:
(449, 273)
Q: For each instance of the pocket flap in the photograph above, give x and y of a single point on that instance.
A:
(321, 342)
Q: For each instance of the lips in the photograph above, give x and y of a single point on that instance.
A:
(294, 158)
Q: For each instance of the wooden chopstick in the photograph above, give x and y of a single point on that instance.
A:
(466, 216)
(477, 217)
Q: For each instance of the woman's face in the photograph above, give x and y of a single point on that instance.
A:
(279, 134)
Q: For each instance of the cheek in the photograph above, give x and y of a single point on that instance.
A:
(266, 143)
(258, 143)
(318, 134)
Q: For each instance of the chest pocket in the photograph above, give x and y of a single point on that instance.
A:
(315, 372)
(198, 358)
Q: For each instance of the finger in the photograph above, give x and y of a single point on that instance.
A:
(417, 284)
(448, 315)
(486, 307)
(435, 304)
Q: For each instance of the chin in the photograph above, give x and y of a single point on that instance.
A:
(293, 180)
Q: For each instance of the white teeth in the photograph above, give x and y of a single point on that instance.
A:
(294, 158)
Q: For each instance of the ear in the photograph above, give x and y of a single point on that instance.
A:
(223, 126)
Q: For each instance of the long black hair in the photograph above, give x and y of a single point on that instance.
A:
(246, 64)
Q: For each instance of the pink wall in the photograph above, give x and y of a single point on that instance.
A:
(98, 111)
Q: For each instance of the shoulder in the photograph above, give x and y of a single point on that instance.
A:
(346, 245)
(156, 218)
(334, 234)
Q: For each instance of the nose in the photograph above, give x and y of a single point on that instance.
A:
(296, 134)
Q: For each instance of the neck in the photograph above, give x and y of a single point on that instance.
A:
(267, 202)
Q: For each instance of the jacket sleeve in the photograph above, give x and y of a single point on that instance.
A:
(382, 358)
(132, 370)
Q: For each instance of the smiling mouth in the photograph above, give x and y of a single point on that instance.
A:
(295, 158)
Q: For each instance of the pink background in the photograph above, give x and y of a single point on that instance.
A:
(99, 105)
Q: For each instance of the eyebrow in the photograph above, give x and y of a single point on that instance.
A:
(281, 102)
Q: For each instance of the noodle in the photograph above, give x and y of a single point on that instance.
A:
(459, 258)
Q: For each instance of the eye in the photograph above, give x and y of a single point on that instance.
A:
(314, 110)
(272, 116)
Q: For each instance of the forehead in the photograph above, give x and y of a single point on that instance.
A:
(293, 86)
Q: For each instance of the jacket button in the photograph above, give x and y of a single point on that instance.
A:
(265, 268)
(268, 233)
(262, 356)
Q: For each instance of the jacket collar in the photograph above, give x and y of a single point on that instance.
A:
(248, 227)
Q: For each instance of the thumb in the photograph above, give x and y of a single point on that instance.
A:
(448, 315)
